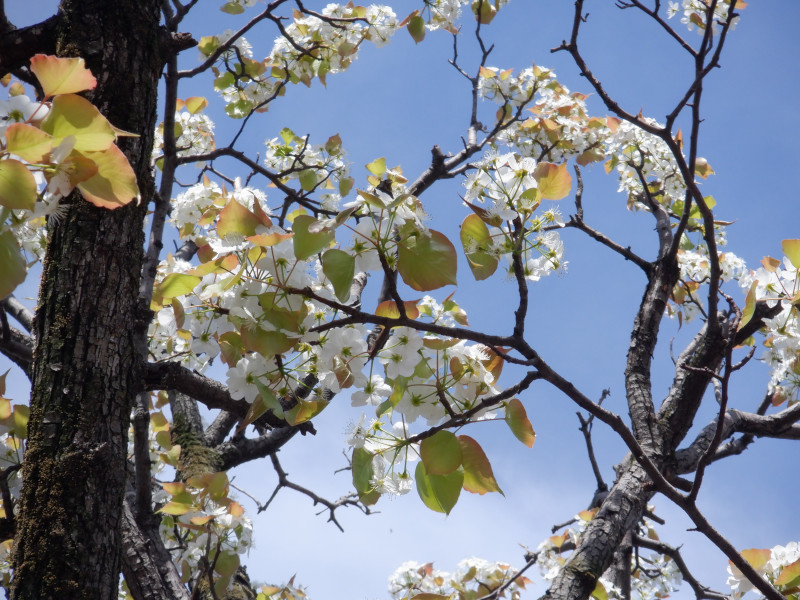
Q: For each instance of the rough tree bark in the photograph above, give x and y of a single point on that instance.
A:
(86, 369)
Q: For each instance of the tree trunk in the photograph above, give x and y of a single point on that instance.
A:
(89, 330)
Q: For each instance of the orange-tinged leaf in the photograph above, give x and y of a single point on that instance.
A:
(236, 219)
(114, 184)
(14, 267)
(558, 540)
(789, 573)
(76, 116)
(702, 168)
(389, 309)
(5, 406)
(62, 75)
(235, 509)
(3, 386)
(478, 475)
(756, 557)
(195, 104)
(17, 186)
(587, 515)
(517, 420)
(28, 142)
(791, 248)
(554, 181)
(770, 264)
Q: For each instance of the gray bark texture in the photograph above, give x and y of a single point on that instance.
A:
(86, 366)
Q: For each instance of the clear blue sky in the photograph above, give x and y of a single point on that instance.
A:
(398, 102)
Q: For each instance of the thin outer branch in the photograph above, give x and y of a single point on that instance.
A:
(700, 590)
(19, 311)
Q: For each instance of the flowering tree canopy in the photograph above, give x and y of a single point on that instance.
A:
(298, 281)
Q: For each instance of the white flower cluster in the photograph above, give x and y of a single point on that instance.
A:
(320, 166)
(779, 557)
(778, 282)
(695, 270)
(443, 14)
(473, 577)
(652, 577)
(632, 149)
(507, 186)
(195, 135)
(695, 13)
(504, 88)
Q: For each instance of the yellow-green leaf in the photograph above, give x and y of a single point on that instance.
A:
(438, 492)
(757, 557)
(226, 563)
(599, 592)
(14, 268)
(791, 248)
(475, 239)
(478, 475)
(339, 267)
(427, 261)
(517, 420)
(441, 453)
(62, 75)
(554, 181)
(28, 142)
(377, 167)
(195, 104)
(416, 27)
(749, 306)
(362, 476)
(307, 244)
(114, 184)
(74, 115)
(267, 343)
(17, 185)
(174, 285)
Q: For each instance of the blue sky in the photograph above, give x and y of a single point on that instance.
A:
(398, 102)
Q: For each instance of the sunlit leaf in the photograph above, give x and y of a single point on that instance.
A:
(307, 244)
(114, 184)
(475, 239)
(339, 267)
(749, 306)
(195, 104)
(362, 476)
(427, 261)
(554, 181)
(17, 185)
(266, 343)
(377, 167)
(28, 142)
(599, 592)
(789, 574)
(76, 116)
(389, 309)
(438, 492)
(14, 269)
(757, 557)
(791, 248)
(236, 219)
(441, 453)
(62, 75)
(305, 411)
(174, 285)
(517, 420)
(478, 475)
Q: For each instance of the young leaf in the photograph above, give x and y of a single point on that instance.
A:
(553, 181)
(174, 285)
(475, 239)
(362, 476)
(236, 219)
(439, 492)
(74, 115)
(308, 244)
(749, 306)
(62, 75)
(441, 453)
(388, 308)
(17, 185)
(791, 248)
(114, 184)
(28, 142)
(339, 267)
(789, 574)
(14, 268)
(756, 557)
(427, 261)
(377, 167)
(478, 475)
(416, 27)
(517, 420)
(267, 343)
